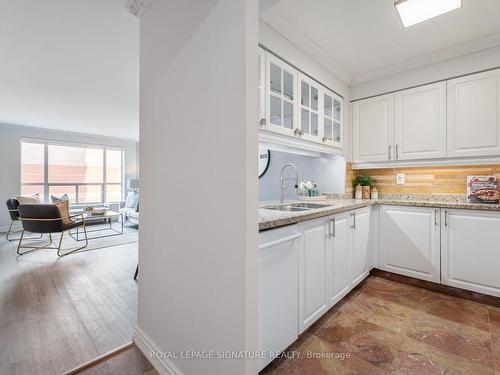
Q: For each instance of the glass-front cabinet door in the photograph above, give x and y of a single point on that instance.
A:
(309, 108)
(333, 132)
(281, 96)
(262, 89)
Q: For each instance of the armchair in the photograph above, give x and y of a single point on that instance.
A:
(46, 218)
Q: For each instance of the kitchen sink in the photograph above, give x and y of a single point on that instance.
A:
(296, 206)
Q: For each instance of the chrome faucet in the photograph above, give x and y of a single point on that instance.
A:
(282, 180)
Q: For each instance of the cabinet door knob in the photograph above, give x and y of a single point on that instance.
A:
(262, 122)
(296, 132)
(324, 139)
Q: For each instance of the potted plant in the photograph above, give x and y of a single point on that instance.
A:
(366, 183)
(309, 188)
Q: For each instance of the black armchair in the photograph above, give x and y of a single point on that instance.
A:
(46, 218)
(12, 207)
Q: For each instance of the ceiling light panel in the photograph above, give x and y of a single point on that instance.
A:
(412, 12)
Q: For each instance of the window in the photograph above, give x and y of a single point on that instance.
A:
(88, 174)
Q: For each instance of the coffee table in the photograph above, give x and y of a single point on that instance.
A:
(107, 217)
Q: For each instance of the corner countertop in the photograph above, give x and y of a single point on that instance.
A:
(269, 219)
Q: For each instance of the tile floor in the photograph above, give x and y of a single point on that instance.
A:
(385, 328)
(390, 328)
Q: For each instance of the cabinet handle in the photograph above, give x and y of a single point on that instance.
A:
(324, 139)
(354, 220)
(445, 218)
(389, 152)
(435, 217)
(397, 152)
(333, 227)
(296, 132)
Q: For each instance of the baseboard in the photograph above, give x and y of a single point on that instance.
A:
(146, 345)
(4, 229)
(440, 288)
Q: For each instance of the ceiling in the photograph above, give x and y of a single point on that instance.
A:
(361, 40)
(70, 65)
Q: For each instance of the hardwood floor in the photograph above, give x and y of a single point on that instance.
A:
(57, 313)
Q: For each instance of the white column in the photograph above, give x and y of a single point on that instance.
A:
(199, 185)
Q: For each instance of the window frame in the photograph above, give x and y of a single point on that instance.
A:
(46, 185)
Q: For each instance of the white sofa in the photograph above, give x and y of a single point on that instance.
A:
(130, 208)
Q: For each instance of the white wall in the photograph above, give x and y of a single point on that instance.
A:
(199, 199)
(10, 156)
(328, 171)
(69, 64)
(472, 62)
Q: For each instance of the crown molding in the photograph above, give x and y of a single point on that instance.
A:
(291, 32)
(138, 7)
(430, 58)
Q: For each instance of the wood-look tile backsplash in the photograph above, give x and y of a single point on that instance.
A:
(450, 180)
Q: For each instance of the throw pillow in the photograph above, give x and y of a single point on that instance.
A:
(132, 199)
(23, 199)
(60, 199)
(63, 207)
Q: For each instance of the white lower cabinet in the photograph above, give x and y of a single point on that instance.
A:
(304, 270)
(410, 241)
(339, 282)
(360, 259)
(313, 270)
(470, 250)
(278, 290)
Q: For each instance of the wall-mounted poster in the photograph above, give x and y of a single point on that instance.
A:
(482, 189)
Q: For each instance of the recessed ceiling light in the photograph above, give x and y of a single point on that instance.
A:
(412, 12)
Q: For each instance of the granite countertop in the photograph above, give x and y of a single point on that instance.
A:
(269, 219)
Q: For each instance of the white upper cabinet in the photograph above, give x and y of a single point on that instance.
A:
(373, 129)
(332, 109)
(420, 122)
(309, 105)
(293, 104)
(474, 115)
(281, 96)
(261, 85)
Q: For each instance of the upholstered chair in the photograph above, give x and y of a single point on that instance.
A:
(46, 218)
(12, 205)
